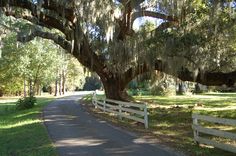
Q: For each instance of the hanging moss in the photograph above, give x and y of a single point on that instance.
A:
(202, 39)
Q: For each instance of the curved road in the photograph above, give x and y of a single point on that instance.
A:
(76, 133)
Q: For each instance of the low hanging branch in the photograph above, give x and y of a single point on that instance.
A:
(205, 78)
(46, 35)
(143, 13)
(53, 5)
(46, 18)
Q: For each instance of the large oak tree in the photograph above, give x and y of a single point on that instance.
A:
(193, 41)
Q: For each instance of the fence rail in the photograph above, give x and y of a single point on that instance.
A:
(133, 111)
(197, 128)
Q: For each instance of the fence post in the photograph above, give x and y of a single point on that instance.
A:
(145, 116)
(95, 100)
(195, 132)
(120, 111)
(104, 105)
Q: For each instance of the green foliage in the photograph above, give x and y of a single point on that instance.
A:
(133, 85)
(140, 86)
(164, 85)
(138, 92)
(39, 61)
(153, 84)
(204, 40)
(162, 91)
(75, 75)
(92, 83)
(26, 103)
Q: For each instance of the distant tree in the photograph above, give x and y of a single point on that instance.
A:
(35, 65)
(75, 75)
(92, 83)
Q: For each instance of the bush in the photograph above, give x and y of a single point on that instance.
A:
(26, 103)
(92, 83)
(162, 91)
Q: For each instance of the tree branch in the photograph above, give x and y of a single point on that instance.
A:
(46, 35)
(61, 10)
(153, 14)
(205, 78)
(67, 13)
(42, 20)
(80, 48)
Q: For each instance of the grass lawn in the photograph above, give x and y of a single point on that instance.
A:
(170, 120)
(22, 133)
(171, 116)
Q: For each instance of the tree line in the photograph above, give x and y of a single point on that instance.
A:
(27, 68)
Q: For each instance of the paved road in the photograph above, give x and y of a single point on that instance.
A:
(76, 133)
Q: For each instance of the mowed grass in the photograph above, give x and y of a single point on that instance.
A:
(170, 117)
(22, 133)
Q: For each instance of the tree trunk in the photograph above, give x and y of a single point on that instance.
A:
(1, 92)
(25, 93)
(60, 84)
(182, 88)
(115, 89)
(31, 90)
(38, 89)
(56, 89)
(63, 82)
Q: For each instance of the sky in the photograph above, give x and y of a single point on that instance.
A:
(140, 21)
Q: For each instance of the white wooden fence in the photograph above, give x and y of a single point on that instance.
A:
(199, 129)
(128, 110)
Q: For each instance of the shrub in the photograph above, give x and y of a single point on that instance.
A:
(92, 83)
(26, 103)
(162, 91)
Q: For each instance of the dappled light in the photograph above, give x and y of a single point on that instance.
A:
(27, 114)
(170, 119)
(86, 141)
(19, 124)
(75, 131)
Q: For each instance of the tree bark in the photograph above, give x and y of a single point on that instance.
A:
(38, 89)
(60, 83)
(115, 88)
(31, 90)
(181, 88)
(1, 93)
(63, 82)
(56, 89)
(25, 93)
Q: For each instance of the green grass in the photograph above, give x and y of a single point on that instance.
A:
(170, 119)
(22, 133)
